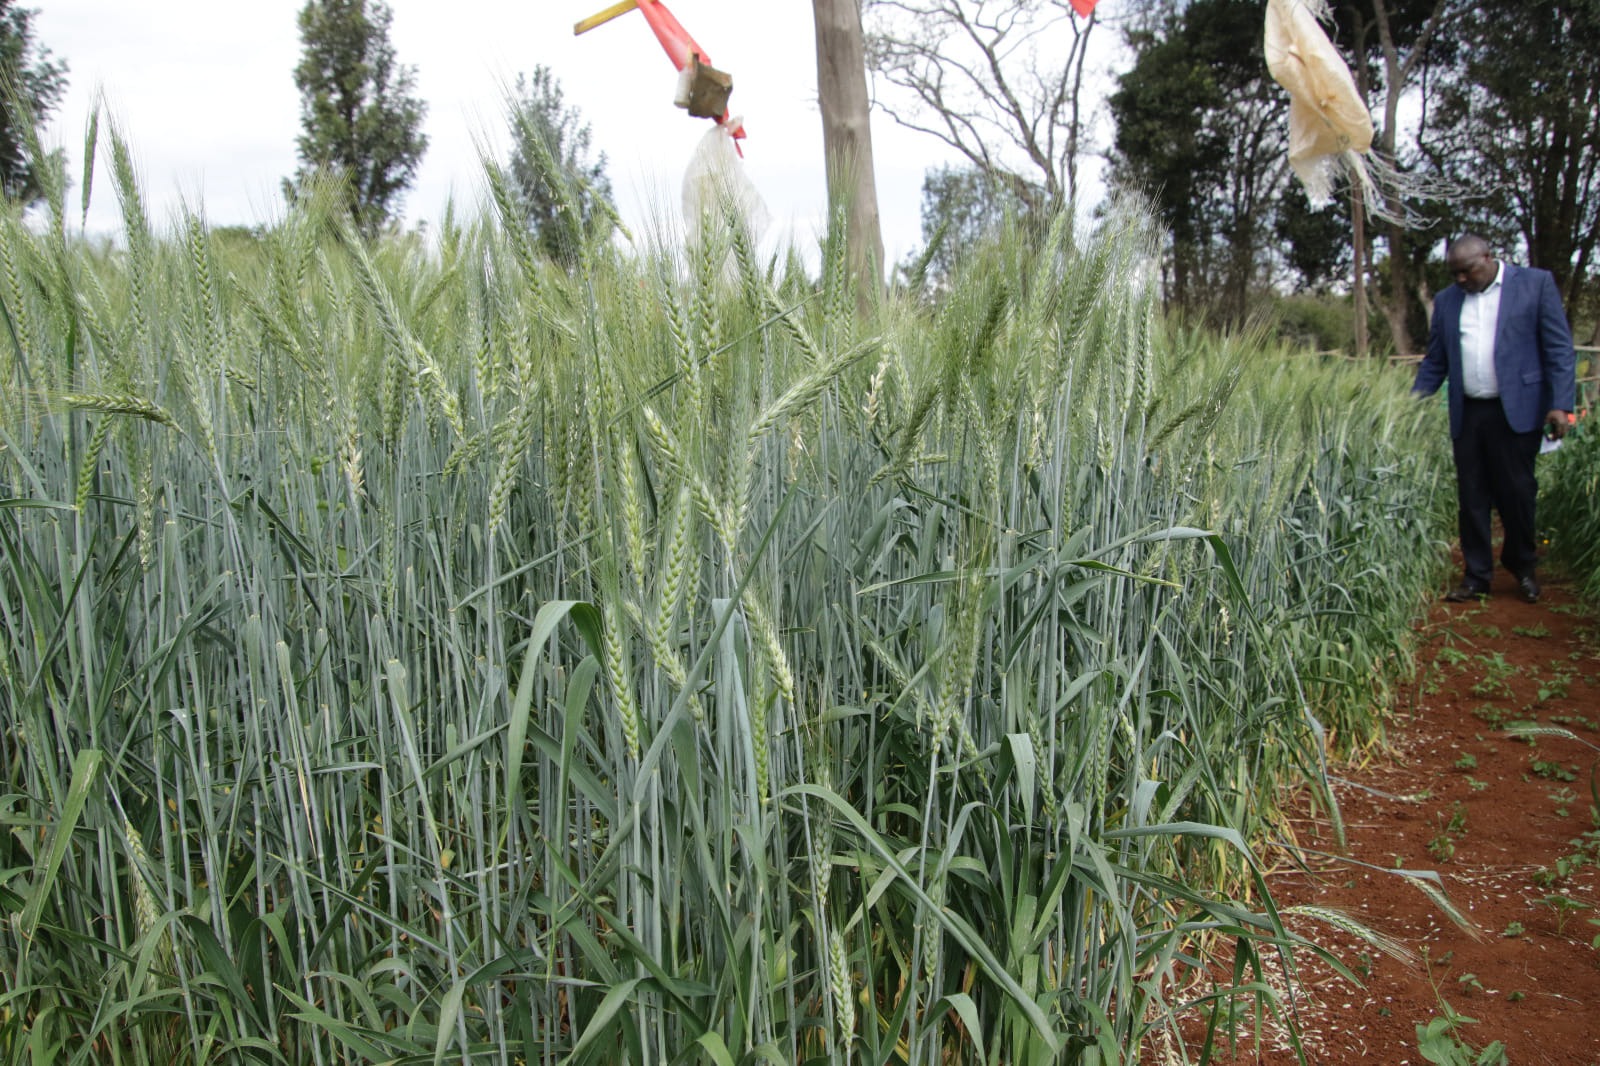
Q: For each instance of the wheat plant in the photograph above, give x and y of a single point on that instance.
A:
(424, 652)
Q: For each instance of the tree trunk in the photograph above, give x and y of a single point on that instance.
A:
(847, 133)
(1358, 243)
(1397, 309)
(1358, 213)
(1397, 75)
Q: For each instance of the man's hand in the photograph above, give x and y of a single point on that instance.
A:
(1556, 424)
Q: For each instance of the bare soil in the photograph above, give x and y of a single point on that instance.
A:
(1509, 826)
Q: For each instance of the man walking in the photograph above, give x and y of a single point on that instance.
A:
(1500, 337)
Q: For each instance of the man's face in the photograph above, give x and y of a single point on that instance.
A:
(1472, 268)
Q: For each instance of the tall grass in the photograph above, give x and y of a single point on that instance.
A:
(431, 654)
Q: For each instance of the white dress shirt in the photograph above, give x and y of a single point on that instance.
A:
(1480, 314)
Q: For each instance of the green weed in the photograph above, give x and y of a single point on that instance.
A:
(1555, 688)
(1552, 771)
(1564, 907)
(1491, 714)
(1443, 845)
(1440, 1042)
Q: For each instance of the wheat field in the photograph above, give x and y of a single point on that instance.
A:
(419, 652)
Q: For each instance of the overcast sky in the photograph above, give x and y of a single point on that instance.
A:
(205, 94)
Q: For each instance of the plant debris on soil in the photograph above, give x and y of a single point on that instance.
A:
(1509, 825)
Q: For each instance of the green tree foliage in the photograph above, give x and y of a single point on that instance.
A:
(1314, 241)
(564, 193)
(1516, 117)
(1201, 130)
(1389, 44)
(962, 206)
(359, 119)
(31, 84)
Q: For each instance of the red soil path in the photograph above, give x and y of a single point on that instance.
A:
(1508, 825)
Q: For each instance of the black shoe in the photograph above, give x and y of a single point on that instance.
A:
(1466, 592)
(1528, 588)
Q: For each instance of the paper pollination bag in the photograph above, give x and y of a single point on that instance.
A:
(1330, 128)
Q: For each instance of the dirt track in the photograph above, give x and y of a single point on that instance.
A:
(1508, 826)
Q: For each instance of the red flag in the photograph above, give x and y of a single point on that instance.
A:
(1084, 7)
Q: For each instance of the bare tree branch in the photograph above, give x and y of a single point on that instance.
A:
(988, 79)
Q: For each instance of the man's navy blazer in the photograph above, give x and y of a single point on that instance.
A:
(1533, 357)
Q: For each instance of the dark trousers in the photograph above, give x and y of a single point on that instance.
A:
(1494, 468)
